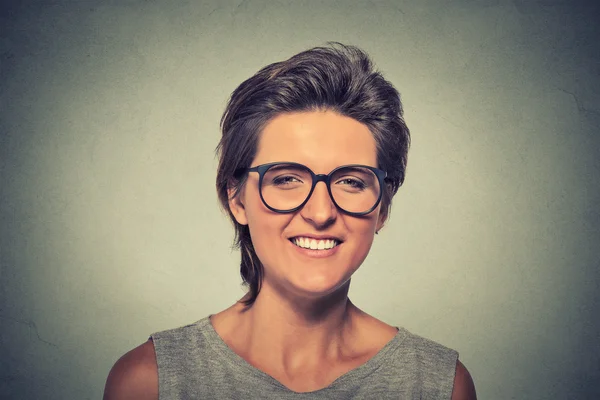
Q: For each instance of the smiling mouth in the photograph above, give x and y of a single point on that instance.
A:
(314, 244)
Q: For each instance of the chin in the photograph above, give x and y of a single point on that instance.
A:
(315, 288)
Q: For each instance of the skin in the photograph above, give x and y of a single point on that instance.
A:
(303, 329)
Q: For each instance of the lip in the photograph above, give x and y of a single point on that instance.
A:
(316, 253)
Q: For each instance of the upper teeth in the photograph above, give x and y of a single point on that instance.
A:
(313, 244)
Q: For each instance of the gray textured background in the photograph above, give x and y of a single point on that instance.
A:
(109, 222)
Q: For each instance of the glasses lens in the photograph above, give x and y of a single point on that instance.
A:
(286, 186)
(355, 189)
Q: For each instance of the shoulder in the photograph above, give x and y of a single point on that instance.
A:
(443, 376)
(430, 352)
(464, 388)
(134, 376)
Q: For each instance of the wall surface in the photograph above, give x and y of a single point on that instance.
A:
(110, 229)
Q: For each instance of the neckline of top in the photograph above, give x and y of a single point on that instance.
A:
(235, 360)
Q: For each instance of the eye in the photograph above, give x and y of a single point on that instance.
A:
(285, 180)
(353, 183)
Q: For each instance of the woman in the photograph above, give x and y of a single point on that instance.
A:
(312, 152)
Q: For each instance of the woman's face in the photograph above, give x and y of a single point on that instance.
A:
(322, 141)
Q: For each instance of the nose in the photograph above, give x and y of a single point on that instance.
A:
(319, 209)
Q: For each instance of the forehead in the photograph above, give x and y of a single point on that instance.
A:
(321, 140)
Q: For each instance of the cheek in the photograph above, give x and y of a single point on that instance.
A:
(267, 241)
(266, 228)
(363, 246)
(363, 233)
(256, 211)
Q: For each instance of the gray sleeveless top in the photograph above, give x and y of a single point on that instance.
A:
(195, 363)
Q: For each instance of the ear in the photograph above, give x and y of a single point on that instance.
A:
(237, 206)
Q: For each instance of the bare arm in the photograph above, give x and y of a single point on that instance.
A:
(134, 376)
(464, 388)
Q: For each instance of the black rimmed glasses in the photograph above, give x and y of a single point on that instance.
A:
(285, 187)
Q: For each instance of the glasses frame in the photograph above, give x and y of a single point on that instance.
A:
(316, 178)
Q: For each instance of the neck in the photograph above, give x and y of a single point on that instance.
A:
(283, 312)
(297, 333)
